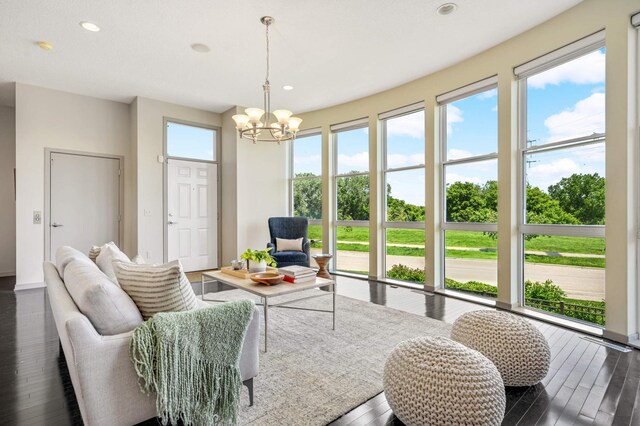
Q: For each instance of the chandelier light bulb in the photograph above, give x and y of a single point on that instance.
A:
(241, 121)
(294, 123)
(255, 114)
(282, 115)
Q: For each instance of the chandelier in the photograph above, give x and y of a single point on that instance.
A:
(283, 128)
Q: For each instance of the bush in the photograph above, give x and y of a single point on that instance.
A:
(404, 273)
(543, 291)
(474, 287)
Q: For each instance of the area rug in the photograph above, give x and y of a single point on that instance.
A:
(311, 374)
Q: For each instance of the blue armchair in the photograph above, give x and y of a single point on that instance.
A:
(290, 228)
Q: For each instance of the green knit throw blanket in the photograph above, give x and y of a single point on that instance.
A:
(191, 360)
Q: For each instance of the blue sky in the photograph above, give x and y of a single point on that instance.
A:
(562, 103)
(190, 142)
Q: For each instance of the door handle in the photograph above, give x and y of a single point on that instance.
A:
(56, 225)
(171, 222)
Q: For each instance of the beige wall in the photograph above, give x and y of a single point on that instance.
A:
(254, 189)
(586, 18)
(48, 118)
(148, 143)
(7, 196)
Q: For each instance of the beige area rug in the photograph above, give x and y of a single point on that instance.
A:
(312, 374)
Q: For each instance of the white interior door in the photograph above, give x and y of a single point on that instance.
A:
(84, 201)
(192, 226)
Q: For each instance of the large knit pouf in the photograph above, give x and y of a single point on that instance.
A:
(516, 347)
(436, 381)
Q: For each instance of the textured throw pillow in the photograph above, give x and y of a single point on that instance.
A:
(156, 288)
(107, 306)
(106, 257)
(138, 260)
(94, 251)
(289, 245)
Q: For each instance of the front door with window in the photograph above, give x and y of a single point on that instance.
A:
(192, 196)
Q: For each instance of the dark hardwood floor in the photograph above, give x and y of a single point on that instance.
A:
(587, 384)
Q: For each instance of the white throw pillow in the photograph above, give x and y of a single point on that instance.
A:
(156, 288)
(138, 260)
(106, 257)
(289, 245)
(108, 307)
(66, 255)
(94, 251)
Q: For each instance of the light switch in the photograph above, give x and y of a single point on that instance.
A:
(37, 217)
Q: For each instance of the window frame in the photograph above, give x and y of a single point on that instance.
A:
(473, 89)
(292, 178)
(335, 132)
(556, 58)
(386, 224)
(217, 140)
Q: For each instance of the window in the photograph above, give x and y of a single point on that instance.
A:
(404, 141)
(562, 145)
(469, 146)
(193, 142)
(306, 184)
(351, 183)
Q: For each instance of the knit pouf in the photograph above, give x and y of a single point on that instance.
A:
(517, 348)
(436, 381)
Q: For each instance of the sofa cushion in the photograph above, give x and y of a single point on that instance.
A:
(156, 288)
(106, 257)
(65, 255)
(282, 244)
(108, 307)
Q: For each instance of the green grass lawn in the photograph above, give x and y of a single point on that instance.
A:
(470, 239)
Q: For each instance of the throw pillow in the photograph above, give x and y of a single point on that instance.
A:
(106, 257)
(156, 288)
(94, 251)
(139, 260)
(66, 255)
(289, 245)
(107, 306)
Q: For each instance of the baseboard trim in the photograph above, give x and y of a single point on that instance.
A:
(28, 286)
(8, 274)
(619, 337)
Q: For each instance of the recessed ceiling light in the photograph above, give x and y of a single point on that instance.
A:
(200, 48)
(90, 26)
(287, 87)
(447, 8)
(44, 45)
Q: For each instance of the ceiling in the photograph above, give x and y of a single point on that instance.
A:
(331, 51)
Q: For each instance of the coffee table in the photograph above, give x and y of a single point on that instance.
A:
(266, 293)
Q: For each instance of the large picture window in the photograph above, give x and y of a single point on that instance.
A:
(562, 146)
(306, 184)
(469, 149)
(403, 136)
(351, 183)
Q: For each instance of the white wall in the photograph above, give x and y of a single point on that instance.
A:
(7, 197)
(148, 142)
(48, 118)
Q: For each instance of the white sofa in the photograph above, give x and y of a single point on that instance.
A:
(104, 381)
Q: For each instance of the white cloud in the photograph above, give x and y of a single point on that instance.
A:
(587, 69)
(401, 160)
(546, 174)
(455, 177)
(411, 125)
(454, 154)
(586, 117)
(454, 115)
(488, 94)
(359, 161)
(495, 108)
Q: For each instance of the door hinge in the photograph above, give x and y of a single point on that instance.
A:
(119, 172)
(119, 218)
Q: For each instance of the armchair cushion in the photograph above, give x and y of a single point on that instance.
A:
(283, 244)
(289, 228)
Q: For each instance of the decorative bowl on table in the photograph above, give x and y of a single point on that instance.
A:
(267, 278)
